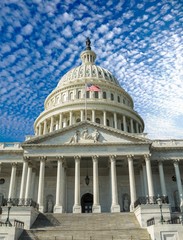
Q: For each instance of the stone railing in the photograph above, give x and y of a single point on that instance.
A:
(12, 145)
(167, 143)
(150, 200)
(20, 202)
(17, 224)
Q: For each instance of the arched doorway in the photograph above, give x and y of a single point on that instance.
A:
(86, 203)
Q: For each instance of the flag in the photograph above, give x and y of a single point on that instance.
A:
(92, 87)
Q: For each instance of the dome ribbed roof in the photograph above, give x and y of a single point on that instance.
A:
(88, 69)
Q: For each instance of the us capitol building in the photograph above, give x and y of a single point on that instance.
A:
(90, 155)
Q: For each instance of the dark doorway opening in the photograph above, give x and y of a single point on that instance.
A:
(86, 203)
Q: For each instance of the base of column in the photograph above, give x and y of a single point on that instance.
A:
(41, 209)
(76, 209)
(58, 209)
(115, 208)
(96, 209)
(131, 207)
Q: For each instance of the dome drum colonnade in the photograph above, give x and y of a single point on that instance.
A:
(111, 106)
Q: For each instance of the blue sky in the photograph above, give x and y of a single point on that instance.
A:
(140, 42)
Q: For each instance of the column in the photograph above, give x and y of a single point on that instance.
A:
(145, 179)
(82, 115)
(45, 127)
(115, 121)
(137, 127)
(149, 178)
(12, 181)
(23, 181)
(58, 208)
(28, 184)
(162, 179)
(51, 124)
(70, 118)
(114, 206)
(33, 184)
(93, 115)
(77, 204)
(133, 195)
(178, 180)
(131, 125)
(40, 129)
(105, 118)
(124, 124)
(40, 200)
(60, 120)
(96, 206)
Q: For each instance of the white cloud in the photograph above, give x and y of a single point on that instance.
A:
(27, 29)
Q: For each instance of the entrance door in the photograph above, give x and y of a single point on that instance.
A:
(86, 203)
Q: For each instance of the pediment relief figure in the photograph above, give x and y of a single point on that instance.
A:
(85, 136)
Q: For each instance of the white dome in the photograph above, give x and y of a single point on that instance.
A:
(87, 70)
(110, 106)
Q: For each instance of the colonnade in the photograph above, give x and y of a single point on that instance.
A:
(64, 119)
(28, 178)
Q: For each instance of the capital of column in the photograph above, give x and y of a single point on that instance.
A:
(77, 158)
(14, 164)
(130, 157)
(147, 157)
(43, 158)
(112, 158)
(94, 158)
(60, 159)
(176, 161)
(26, 158)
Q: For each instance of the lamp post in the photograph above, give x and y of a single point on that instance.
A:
(9, 205)
(159, 201)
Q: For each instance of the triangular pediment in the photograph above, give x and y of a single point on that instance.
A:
(86, 133)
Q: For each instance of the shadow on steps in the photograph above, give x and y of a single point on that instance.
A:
(43, 221)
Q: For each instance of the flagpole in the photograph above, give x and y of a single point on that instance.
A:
(85, 103)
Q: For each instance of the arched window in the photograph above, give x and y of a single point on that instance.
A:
(108, 123)
(79, 94)
(63, 97)
(104, 95)
(97, 120)
(112, 96)
(96, 94)
(71, 96)
(118, 98)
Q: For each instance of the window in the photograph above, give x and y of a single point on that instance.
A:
(97, 120)
(71, 96)
(118, 98)
(79, 94)
(122, 127)
(96, 94)
(63, 97)
(112, 97)
(87, 94)
(104, 95)
(78, 120)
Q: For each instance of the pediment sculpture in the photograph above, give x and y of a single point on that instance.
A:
(85, 136)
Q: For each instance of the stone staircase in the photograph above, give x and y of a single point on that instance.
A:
(101, 226)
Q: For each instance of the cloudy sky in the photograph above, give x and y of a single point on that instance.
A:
(140, 42)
